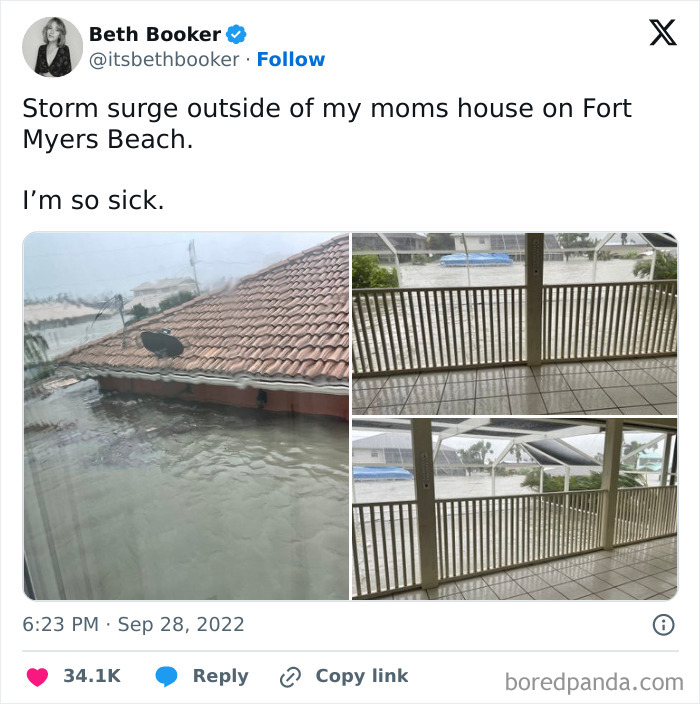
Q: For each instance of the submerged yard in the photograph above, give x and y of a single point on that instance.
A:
(139, 498)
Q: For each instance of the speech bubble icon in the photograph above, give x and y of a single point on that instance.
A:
(166, 675)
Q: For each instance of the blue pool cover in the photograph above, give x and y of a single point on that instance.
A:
(376, 473)
(476, 259)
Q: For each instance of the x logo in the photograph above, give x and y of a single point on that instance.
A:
(663, 32)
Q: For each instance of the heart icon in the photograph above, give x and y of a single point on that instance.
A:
(37, 677)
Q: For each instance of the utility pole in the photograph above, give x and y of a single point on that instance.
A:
(119, 299)
(193, 261)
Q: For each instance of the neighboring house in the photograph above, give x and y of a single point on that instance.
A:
(150, 295)
(277, 339)
(395, 449)
(650, 461)
(40, 316)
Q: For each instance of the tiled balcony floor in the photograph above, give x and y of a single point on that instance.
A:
(616, 387)
(641, 571)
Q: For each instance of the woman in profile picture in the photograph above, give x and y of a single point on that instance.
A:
(53, 57)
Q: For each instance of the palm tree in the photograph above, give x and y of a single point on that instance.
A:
(35, 350)
(476, 454)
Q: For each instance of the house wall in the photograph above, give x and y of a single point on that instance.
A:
(367, 456)
(278, 401)
(475, 242)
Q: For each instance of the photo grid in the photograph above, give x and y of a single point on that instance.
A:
(514, 430)
(512, 423)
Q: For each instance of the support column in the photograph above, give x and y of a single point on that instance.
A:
(422, 440)
(674, 465)
(667, 457)
(611, 471)
(534, 259)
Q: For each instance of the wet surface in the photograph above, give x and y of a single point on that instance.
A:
(61, 339)
(576, 270)
(478, 484)
(138, 498)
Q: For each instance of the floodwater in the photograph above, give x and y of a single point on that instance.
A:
(577, 270)
(478, 484)
(67, 337)
(138, 498)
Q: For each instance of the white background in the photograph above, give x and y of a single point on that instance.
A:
(408, 175)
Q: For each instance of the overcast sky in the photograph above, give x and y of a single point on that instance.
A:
(89, 264)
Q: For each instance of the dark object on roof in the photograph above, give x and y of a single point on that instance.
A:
(162, 344)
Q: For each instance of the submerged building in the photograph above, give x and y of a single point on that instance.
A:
(277, 339)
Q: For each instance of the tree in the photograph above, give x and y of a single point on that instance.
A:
(440, 240)
(368, 273)
(36, 357)
(576, 483)
(476, 454)
(631, 446)
(175, 300)
(139, 312)
(666, 267)
(35, 350)
(576, 240)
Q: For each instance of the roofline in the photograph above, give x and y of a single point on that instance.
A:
(197, 300)
(240, 382)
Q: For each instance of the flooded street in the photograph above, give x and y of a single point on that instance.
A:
(63, 338)
(576, 270)
(478, 484)
(136, 498)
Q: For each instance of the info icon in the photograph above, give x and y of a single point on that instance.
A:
(663, 625)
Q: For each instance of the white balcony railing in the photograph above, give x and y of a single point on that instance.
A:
(385, 547)
(482, 535)
(643, 514)
(431, 329)
(476, 536)
(597, 321)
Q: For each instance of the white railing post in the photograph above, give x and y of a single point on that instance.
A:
(424, 477)
(534, 257)
(611, 472)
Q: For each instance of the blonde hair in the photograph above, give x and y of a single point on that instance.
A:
(60, 27)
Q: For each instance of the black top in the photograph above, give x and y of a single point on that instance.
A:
(60, 66)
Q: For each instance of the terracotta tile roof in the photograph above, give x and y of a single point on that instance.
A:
(286, 322)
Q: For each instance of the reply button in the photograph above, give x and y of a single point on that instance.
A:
(233, 676)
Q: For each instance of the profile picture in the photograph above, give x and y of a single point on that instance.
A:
(52, 47)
